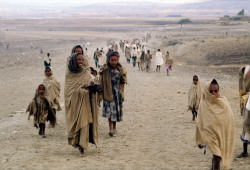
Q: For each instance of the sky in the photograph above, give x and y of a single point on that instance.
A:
(74, 2)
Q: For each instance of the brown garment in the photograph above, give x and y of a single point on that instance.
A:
(194, 95)
(105, 82)
(81, 112)
(215, 126)
(244, 99)
(53, 89)
(39, 108)
(169, 60)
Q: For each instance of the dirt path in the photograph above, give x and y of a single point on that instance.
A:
(157, 132)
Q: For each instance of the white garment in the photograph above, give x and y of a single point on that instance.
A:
(158, 58)
(248, 103)
(47, 59)
(102, 60)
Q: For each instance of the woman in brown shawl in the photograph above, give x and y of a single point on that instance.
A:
(215, 126)
(81, 111)
(41, 109)
(53, 88)
(244, 97)
(169, 63)
(194, 96)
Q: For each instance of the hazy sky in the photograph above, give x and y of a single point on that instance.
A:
(82, 2)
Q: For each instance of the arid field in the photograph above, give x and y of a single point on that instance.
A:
(157, 131)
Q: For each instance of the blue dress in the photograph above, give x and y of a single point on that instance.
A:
(113, 110)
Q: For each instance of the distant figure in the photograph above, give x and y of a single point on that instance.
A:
(148, 58)
(96, 58)
(134, 56)
(138, 58)
(142, 60)
(169, 63)
(41, 109)
(86, 54)
(158, 60)
(194, 96)
(116, 47)
(47, 60)
(101, 58)
(215, 126)
(244, 85)
(128, 53)
(110, 50)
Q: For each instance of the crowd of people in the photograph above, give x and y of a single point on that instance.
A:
(85, 89)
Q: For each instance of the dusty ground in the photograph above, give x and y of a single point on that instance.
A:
(157, 131)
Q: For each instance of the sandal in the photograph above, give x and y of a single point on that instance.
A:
(242, 155)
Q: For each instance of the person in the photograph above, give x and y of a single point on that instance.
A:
(53, 89)
(110, 50)
(41, 109)
(86, 54)
(134, 56)
(169, 63)
(78, 49)
(127, 53)
(142, 60)
(158, 60)
(194, 96)
(138, 58)
(96, 58)
(47, 60)
(111, 80)
(101, 58)
(148, 58)
(215, 126)
(244, 87)
(80, 102)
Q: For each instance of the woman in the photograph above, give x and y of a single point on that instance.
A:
(169, 63)
(158, 60)
(80, 105)
(215, 126)
(148, 58)
(244, 94)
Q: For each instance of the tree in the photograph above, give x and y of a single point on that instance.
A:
(184, 21)
(242, 12)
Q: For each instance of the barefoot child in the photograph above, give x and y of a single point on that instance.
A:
(42, 110)
(215, 126)
(169, 63)
(112, 81)
(194, 96)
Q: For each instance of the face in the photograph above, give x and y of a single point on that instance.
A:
(113, 61)
(214, 90)
(78, 50)
(79, 61)
(195, 80)
(48, 72)
(41, 89)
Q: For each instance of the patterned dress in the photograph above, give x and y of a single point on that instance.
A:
(113, 110)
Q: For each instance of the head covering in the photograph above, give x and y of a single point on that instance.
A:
(215, 126)
(72, 66)
(194, 94)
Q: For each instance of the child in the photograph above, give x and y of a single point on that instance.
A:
(169, 63)
(53, 88)
(112, 81)
(42, 110)
(194, 96)
(215, 126)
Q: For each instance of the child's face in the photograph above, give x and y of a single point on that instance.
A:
(41, 89)
(214, 90)
(79, 61)
(48, 72)
(78, 50)
(195, 80)
(113, 61)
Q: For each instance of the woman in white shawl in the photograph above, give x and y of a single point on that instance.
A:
(215, 126)
(81, 111)
(158, 60)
